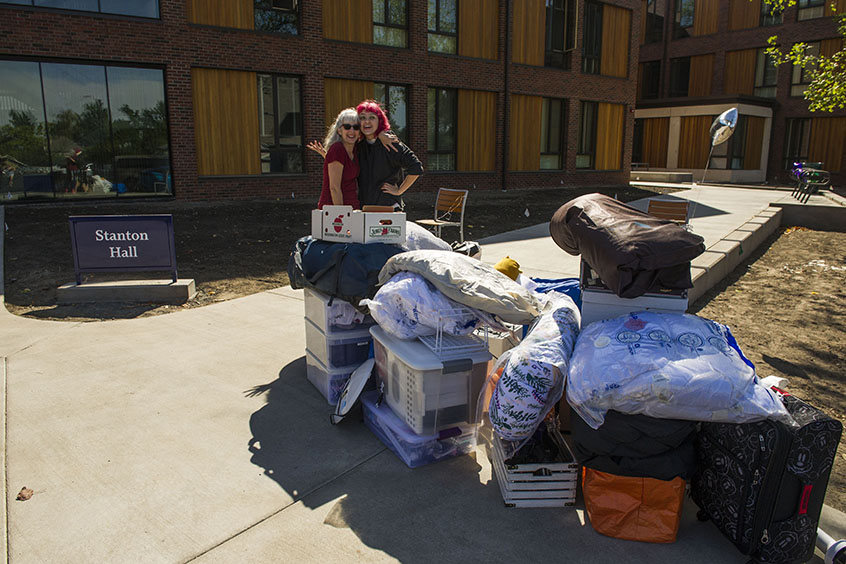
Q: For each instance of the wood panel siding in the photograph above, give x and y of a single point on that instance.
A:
(348, 20)
(656, 135)
(740, 72)
(706, 17)
(694, 133)
(524, 132)
(826, 142)
(744, 14)
(643, 10)
(478, 32)
(609, 135)
(701, 75)
(528, 32)
(616, 33)
(222, 13)
(226, 125)
(476, 134)
(839, 8)
(754, 142)
(339, 93)
(828, 47)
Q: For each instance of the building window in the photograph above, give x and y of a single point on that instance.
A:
(552, 134)
(443, 26)
(394, 99)
(797, 136)
(770, 15)
(442, 116)
(766, 75)
(390, 23)
(280, 124)
(811, 9)
(592, 48)
(685, 12)
(736, 146)
(560, 32)
(139, 8)
(586, 156)
(654, 27)
(800, 77)
(679, 76)
(650, 79)
(73, 130)
(278, 16)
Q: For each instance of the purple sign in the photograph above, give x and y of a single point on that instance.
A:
(122, 243)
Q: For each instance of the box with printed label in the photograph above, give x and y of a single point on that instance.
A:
(342, 224)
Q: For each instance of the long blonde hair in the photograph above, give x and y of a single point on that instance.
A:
(347, 115)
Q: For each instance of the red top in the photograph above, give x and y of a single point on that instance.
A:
(349, 178)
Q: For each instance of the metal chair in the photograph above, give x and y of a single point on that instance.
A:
(449, 211)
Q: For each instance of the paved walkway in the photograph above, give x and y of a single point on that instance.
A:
(195, 436)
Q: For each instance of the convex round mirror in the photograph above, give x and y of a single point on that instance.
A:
(723, 126)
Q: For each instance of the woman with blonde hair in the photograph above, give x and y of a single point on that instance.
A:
(340, 167)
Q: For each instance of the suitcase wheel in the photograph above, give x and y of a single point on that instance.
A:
(701, 515)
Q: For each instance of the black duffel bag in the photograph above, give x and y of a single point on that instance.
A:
(349, 271)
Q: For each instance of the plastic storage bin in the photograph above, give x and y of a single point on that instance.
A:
(425, 391)
(413, 449)
(338, 350)
(331, 318)
(330, 382)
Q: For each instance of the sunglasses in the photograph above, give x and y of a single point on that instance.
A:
(347, 126)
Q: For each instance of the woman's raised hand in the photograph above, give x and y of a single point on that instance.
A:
(388, 140)
(317, 147)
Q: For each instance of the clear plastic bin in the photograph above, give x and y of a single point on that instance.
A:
(413, 449)
(330, 318)
(427, 392)
(330, 382)
(338, 350)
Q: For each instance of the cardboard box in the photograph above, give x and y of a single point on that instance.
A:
(342, 224)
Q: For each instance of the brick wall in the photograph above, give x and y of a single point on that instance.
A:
(177, 46)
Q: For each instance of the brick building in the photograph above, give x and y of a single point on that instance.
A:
(700, 57)
(215, 99)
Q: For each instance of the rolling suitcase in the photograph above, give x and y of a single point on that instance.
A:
(763, 483)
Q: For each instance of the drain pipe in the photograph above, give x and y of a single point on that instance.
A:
(506, 97)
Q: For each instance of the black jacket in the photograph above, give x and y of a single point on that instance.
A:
(378, 165)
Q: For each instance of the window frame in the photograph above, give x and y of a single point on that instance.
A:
(656, 82)
(438, 30)
(587, 134)
(277, 146)
(736, 146)
(651, 34)
(800, 78)
(386, 105)
(680, 31)
(386, 24)
(562, 137)
(257, 9)
(435, 119)
(675, 64)
(99, 9)
(763, 88)
(554, 57)
(770, 16)
(810, 9)
(592, 45)
(800, 143)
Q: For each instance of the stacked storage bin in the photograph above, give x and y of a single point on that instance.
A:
(428, 407)
(599, 302)
(333, 350)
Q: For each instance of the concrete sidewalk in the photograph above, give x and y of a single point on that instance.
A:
(195, 436)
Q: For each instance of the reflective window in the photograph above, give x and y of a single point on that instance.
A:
(811, 9)
(140, 8)
(442, 116)
(797, 136)
(650, 79)
(800, 77)
(685, 13)
(679, 77)
(443, 26)
(766, 75)
(105, 132)
(560, 32)
(770, 15)
(552, 134)
(592, 48)
(280, 124)
(394, 98)
(390, 23)
(586, 156)
(278, 16)
(654, 28)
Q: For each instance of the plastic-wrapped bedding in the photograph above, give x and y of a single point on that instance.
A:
(532, 376)
(407, 307)
(469, 282)
(418, 238)
(669, 366)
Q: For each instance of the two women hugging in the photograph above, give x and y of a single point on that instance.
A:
(364, 163)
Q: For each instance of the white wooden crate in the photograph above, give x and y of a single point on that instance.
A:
(551, 484)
